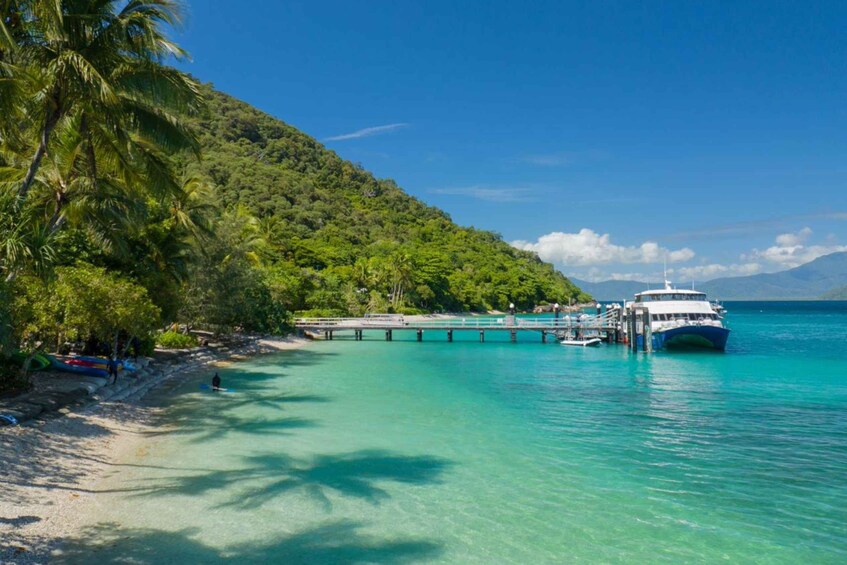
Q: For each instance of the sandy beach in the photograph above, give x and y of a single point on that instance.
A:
(52, 465)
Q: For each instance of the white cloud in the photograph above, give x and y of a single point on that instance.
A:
(488, 194)
(367, 132)
(793, 239)
(714, 270)
(551, 160)
(627, 277)
(590, 248)
(791, 250)
(743, 229)
(595, 274)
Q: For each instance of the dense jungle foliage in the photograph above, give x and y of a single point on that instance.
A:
(134, 198)
(342, 241)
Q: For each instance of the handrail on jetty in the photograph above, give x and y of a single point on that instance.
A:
(607, 324)
(607, 320)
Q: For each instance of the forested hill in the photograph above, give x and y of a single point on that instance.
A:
(344, 241)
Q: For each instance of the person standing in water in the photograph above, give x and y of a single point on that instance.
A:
(216, 382)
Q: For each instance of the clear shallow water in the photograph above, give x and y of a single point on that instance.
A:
(359, 452)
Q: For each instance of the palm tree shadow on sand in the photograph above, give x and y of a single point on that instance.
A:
(339, 543)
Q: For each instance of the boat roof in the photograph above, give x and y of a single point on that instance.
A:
(669, 289)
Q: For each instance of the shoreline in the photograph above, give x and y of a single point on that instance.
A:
(52, 463)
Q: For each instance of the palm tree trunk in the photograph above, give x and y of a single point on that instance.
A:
(49, 123)
(89, 149)
(56, 222)
(126, 347)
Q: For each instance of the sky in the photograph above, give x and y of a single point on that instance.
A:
(607, 136)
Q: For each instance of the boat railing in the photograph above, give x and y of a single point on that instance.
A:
(682, 323)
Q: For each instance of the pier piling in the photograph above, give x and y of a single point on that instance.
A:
(420, 335)
(450, 336)
(481, 336)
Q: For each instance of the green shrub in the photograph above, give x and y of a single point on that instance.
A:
(146, 345)
(410, 311)
(175, 340)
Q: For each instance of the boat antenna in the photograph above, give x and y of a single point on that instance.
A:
(667, 282)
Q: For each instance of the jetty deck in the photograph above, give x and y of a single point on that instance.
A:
(606, 324)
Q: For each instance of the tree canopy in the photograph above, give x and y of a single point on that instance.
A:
(134, 197)
(352, 241)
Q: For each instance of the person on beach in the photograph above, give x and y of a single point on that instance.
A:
(136, 345)
(113, 370)
(216, 382)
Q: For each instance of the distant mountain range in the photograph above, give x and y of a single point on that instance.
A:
(825, 278)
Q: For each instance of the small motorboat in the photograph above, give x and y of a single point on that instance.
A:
(588, 342)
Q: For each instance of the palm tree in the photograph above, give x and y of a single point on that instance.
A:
(25, 241)
(100, 97)
(100, 62)
(191, 208)
(402, 270)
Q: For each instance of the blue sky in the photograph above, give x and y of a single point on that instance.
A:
(604, 135)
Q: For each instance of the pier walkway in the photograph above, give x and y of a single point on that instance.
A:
(607, 324)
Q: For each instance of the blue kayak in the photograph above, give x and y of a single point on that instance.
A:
(60, 365)
(7, 420)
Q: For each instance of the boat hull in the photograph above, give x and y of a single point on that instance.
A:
(709, 337)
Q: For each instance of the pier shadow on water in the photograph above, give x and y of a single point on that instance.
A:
(338, 543)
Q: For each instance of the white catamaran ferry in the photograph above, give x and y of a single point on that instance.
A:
(682, 317)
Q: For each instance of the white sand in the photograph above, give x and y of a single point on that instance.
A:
(51, 466)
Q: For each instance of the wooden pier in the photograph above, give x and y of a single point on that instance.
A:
(606, 325)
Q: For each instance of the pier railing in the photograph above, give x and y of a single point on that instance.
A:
(609, 319)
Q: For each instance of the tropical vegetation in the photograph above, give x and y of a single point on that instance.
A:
(134, 198)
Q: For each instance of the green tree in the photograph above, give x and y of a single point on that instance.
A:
(82, 301)
(99, 62)
(94, 302)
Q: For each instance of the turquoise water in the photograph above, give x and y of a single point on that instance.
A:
(375, 452)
